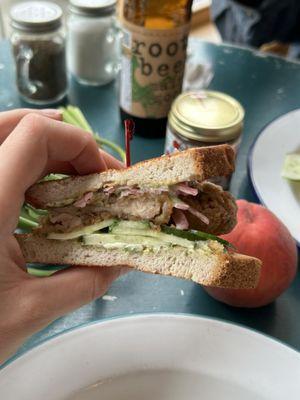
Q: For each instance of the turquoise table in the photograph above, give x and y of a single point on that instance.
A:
(267, 87)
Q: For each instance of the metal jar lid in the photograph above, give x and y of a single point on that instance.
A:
(207, 116)
(36, 16)
(92, 7)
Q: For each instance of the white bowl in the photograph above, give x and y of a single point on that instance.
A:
(157, 357)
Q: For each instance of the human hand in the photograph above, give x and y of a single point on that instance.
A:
(33, 144)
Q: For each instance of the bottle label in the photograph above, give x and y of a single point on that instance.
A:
(152, 70)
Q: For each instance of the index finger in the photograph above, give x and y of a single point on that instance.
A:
(26, 152)
(62, 167)
(10, 119)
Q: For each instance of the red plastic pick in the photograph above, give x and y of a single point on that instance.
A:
(129, 132)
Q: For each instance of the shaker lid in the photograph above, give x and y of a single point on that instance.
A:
(37, 16)
(208, 116)
(93, 7)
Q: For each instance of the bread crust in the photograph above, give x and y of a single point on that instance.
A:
(193, 164)
(227, 270)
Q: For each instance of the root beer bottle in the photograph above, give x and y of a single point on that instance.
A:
(153, 58)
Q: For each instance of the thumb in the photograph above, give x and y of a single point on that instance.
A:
(70, 289)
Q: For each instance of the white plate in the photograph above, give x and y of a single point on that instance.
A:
(155, 357)
(282, 197)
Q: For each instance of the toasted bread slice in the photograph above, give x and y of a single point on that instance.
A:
(227, 270)
(194, 164)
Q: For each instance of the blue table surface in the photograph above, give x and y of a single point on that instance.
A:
(267, 87)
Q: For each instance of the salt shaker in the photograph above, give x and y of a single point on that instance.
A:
(38, 44)
(93, 41)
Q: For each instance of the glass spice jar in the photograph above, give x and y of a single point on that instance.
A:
(93, 41)
(205, 118)
(38, 44)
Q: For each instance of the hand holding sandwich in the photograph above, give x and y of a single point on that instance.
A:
(33, 145)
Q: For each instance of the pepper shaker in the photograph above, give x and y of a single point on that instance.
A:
(38, 44)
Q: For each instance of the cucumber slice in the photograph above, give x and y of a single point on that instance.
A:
(108, 238)
(120, 226)
(194, 235)
(44, 270)
(143, 228)
(151, 233)
(81, 232)
(291, 167)
(40, 272)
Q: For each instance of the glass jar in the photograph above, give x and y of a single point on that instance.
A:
(38, 44)
(205, 118)
(93, 41)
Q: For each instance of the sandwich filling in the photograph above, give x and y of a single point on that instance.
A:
(140, 236)
(202, 206)
(136, 218)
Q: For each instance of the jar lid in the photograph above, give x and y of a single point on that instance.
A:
(36, 16)
(207, 116)
(93, 7)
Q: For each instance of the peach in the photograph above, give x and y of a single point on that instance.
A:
(261, 234)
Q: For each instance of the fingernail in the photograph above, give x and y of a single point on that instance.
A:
(51, 112)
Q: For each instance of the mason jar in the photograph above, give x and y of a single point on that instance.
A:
(93, 41)
(205, 118)
(38, 44)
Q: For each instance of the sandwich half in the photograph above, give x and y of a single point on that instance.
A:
(158, 216)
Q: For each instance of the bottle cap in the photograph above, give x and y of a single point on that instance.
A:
(36, 16)
(207, 116)
(92, 7)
